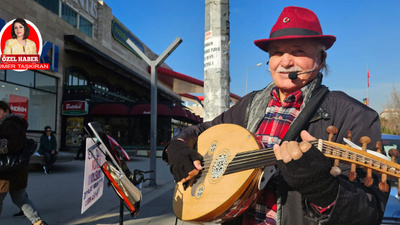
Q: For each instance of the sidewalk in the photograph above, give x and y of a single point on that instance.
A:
(57, 197)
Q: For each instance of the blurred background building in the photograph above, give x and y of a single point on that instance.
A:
(95, 76)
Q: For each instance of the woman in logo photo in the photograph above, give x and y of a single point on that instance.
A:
(20, 44)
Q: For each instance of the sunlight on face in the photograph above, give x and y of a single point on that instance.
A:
(287, 56)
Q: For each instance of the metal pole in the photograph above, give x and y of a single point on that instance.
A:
(154, 64)
(247, 73)
(216, 58)
(153, 126)
(121, 211)
(367, 86)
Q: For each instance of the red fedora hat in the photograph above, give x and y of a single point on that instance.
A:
(296, 23)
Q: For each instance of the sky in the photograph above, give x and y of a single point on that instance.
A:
(367, 32)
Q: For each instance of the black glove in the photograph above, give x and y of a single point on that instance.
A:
(310, 176)
(180, 159)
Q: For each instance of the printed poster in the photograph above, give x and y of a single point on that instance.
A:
(19, 105)
(93, 182)
(212, 51)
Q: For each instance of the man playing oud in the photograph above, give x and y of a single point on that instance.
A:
(303, 191)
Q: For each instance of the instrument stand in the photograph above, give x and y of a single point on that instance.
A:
(128, 189)
(121, 212)
(121, 206)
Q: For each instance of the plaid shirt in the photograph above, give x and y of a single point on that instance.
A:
(278, 117)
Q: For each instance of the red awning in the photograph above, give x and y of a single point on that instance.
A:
(145, 109)
(178, 112)
(110, 109)
(184, 84)
(191, 117)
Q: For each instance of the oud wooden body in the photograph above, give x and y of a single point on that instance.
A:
(214, 196)
(233, 162)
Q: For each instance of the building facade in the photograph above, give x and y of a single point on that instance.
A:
(94, 76)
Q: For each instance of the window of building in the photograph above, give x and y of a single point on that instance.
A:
(101, 86)
(42, 110)
(52, 5)
(76, 79)
(69, 15)
(38, 107)
(2, 74)
(45, 82)
(25, 78)
(85, 26)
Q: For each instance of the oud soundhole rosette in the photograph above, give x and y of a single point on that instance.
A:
(213, 147)
(199, 191)
(219, 166)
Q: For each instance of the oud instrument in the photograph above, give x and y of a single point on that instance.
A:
(129, 194)
(234, 162)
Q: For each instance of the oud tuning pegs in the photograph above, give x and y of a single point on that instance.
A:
(378, 146)
(364, 140)
(368, 180)
(383, 185)
(331, 130)
(348, 136)
(393, 153)
(352, 173)
(335, 170)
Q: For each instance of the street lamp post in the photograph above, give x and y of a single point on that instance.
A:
(247, 73)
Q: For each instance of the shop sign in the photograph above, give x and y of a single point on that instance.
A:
(90, 6)
(75, 108)
(2, 23)
(122, 35)
(19, 105)
(50, 55)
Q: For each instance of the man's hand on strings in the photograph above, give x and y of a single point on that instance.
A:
(193, 173)
(185, 162)
(293, 150)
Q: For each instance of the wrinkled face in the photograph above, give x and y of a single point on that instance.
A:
(290, 56)
(3, 113)
(19, 29)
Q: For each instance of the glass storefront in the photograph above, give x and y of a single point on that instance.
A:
(31, 94)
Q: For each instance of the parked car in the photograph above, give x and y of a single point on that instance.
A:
(392, 211)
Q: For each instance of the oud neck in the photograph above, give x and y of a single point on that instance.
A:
(266, 157)
(251, 160)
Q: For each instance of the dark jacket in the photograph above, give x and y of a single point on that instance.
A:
(355, 203)
(47, 145)
(13, 135)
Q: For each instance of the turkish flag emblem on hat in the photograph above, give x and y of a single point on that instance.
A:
(296, 23)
